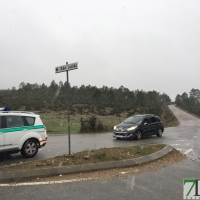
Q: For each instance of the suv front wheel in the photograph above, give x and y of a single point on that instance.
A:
(159, 132)
(30, 148)
(139, 135)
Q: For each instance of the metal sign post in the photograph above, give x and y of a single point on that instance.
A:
(68, 111)
(66, 68)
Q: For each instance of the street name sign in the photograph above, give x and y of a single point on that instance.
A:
(67, 67)
(73, 66)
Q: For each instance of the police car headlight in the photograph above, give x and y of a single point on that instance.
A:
(131, 128)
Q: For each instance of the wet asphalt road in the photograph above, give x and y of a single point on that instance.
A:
(165, 183)
(185, 138)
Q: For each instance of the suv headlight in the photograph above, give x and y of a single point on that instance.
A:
(114, 128)
(131, 128)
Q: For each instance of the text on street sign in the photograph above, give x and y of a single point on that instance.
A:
(68, 67)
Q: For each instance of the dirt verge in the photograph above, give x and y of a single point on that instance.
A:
(86, 157)
(167, 160)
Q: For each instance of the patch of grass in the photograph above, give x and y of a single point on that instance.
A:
(56, 122)
(86, 157)
(102, 157)
(194, 115)
(168, 118)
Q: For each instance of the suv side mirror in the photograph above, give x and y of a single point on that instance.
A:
(145, 123)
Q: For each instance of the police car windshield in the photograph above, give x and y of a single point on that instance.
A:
(133, 120)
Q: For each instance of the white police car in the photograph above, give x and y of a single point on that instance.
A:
(21, 131)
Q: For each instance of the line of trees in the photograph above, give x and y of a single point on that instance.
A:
(83, 99)
(189, 102)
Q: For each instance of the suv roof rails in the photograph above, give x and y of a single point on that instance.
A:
(17, 112)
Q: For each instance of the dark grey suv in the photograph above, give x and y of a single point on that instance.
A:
(139, 126)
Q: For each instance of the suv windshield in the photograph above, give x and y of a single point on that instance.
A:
(133, 120)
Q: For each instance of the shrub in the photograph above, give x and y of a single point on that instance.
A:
(92, 125)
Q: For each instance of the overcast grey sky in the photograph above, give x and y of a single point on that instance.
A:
(148, 45)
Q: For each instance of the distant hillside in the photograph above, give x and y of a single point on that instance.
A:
(84, 99)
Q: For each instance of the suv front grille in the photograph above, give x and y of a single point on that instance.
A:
(122, 134)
